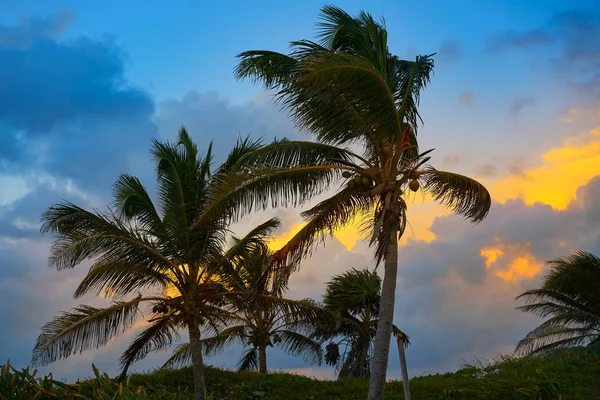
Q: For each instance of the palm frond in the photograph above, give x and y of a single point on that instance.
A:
(85, 235)
(121, 278)
(465, 196)
(133, 202)
(258, 189)
(249, 360)
(290, 154)
(242, 149)
(400, 334)
(182, 356)
(324, 218)
(84, 327)
(302, 346)
(544, 302)
(158, 335)
(270, 68)
(546, 338)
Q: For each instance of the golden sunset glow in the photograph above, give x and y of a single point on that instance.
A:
(562, 171)
(490, 255)
(521, 267)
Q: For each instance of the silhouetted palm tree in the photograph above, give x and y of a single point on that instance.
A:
(258, 324)
(570, 297)
(155, 249)
(348, 89)
(354, 298)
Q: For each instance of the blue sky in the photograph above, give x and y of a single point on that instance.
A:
(514, 102)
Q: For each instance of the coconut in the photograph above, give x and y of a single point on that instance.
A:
(346, 174)
(414, 185)
(358, 180)
(366, 181)
(351, 184)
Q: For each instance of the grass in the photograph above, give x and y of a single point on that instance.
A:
(564, 375)
(572, 374)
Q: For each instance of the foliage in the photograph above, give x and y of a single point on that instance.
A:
(23, 385)
(150, 247)
(353, 297)
(565, 375)
(570, 297)
(263, 317)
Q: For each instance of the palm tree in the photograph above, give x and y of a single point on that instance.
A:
(570, 297)
(138, 246)
(259, 324)
(348, 89)
(354, 297)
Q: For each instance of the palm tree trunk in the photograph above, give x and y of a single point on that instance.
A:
(197, 362)
(405, 380)
(262, 359)
(384, 323)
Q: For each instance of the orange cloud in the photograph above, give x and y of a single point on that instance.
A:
(510, 262)
(562, 171)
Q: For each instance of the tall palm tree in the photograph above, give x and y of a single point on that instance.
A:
(138, 246)
(354, 297)
(259, 324)
(571, 299)
(348, 89)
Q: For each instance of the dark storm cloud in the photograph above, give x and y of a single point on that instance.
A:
(31, 29)
(65, 106)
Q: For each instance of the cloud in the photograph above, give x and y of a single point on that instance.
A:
(510, 39)
(558, 175)
(31, 29)
(574, 39)
(466, 99)
(518, 105)
(450, 52)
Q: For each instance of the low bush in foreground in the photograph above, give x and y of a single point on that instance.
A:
(564, 375)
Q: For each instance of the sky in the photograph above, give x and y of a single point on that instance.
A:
(514, 102)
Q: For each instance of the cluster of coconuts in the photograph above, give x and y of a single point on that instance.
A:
(413, 185)
(357, 180)
(160, 308)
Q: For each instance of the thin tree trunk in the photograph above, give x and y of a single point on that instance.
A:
(197, 362)
(405, 380)
(262, 359)
(384, 323)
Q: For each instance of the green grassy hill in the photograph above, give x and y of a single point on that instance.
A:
(573, 374)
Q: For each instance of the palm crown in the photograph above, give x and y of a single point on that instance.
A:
(346, 90)
(263, 320)
(570, 298)
(138, 246)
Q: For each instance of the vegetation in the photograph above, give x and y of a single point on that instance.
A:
(567, 375)
(354, 298)
(349, 89)
(259, 324)
(161, 250)
(570, 296)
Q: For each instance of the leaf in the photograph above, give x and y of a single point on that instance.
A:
(465, 196)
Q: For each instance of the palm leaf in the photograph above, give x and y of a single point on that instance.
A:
(302, 346)
(158, 335)
(121, 278)
(258, 189)
(324, 218)
(84, 327)
(545, 338)
(465, 196)
(249, 360)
